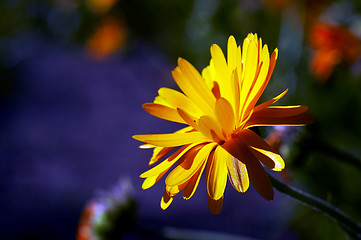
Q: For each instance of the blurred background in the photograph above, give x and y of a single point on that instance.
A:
(73, 76)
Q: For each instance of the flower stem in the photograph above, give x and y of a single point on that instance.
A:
(349, 225)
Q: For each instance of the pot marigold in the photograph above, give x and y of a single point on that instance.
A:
(219, 108)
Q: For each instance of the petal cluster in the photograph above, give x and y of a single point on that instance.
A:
(219, 107)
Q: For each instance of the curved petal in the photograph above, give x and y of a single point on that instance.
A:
(280, 111)
(168, 163)
(210, 128)
(163, 112)
(232, 54)
(221, 69)
(171, 139)
(270, 102)
(186, 85)
(237, 173)
(257, 175)
(217, 173)
(179, 100)
(165, 201)
(158, 153)
(262, 150)
(192, 184)
(296, 120)
(194, 160)
(225, 115)
(215, 206)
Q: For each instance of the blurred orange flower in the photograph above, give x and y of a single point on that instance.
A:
(332, 45)
(109, 37)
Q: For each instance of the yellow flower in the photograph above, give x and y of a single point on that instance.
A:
(220, 107)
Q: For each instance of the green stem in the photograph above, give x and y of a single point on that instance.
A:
(349, 225)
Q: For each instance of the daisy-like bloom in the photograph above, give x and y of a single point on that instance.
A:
(220, 108)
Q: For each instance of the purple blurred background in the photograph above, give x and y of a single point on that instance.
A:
(66, 133)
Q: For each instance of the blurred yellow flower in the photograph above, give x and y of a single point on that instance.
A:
(220, 107)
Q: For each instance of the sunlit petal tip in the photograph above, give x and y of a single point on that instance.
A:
(146, 146)
(215, 206)
(276, 53)
(165, 201)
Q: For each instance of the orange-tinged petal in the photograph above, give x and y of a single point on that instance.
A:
(163, 112)
(158, 153)
(215, 206)
(179, 100)
(281, 111)
(210, 128)
(257, 175)
(272, 64)
(192, 184)
(165, 201)
(168, 163)
(296, 120)
(171, 139)
(270, 102)
(174, 190)
(262, 150)
(193, 161)
(237, 173)
(225, 115)
(189, 119)
(217, 173)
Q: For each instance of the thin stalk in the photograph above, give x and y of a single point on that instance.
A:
(349, 225)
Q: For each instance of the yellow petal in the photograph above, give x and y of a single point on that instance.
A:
(262, 150)
(194, 80)
(236, 94)
(250, 69)
(221, 69)
(150, 181)
(174, 190)
(210, 128)
(192, 184)
(163, 112)
(171, 139)
(225, 115)
(189, 119)
(215, 206)
(217, 173)
(179, 100)
(237, 173)
(232, 53)
(158, 153)
(165, 201)
(261, 81)
(168, 163)
(192, 162)
(186, 86)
